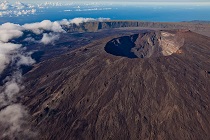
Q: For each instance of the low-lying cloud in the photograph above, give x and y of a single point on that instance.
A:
(45, 25)
(49, 38)
(10, 31)
(7, 51)
(80, 20)
(13, 123)
(47, 28)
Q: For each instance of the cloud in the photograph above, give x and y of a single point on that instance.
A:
(13, 123)
(47, 25)
(30, 39)
(93, 9)
(20, 5)
(17, 12)
(67, 10)
(77, 21)
(64, 22)
(53, 4)
(6, 52)
(4, 5)
(24, 12)
(102, 19)
(49, 38)
(11, 89)
(12, 116)
(9, 31)
(80, 20)
(16, 9)
(25, 60)
(12, 86)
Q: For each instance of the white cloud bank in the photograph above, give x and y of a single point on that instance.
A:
(7, 51)
(46, 25)
(49, 38)
(14, 118)
(9, 31)
(80, 20)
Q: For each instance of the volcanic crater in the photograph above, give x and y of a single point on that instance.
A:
(146, 45)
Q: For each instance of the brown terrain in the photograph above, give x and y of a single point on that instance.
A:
(147, 85)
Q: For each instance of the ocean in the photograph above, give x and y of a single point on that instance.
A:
(160, 13)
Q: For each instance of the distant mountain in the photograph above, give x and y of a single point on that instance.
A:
(197, 27)
(198, 21)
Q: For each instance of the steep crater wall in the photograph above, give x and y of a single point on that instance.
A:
(145, 45)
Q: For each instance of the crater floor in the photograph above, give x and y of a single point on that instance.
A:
(148, 44)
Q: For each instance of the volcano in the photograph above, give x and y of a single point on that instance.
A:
(150, 85)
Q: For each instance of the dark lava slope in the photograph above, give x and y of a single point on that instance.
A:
(92, 94)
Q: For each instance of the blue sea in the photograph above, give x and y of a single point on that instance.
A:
(162, 13)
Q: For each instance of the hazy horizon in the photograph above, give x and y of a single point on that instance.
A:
(125, 1)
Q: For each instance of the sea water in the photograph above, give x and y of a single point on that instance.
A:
(158, 13)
